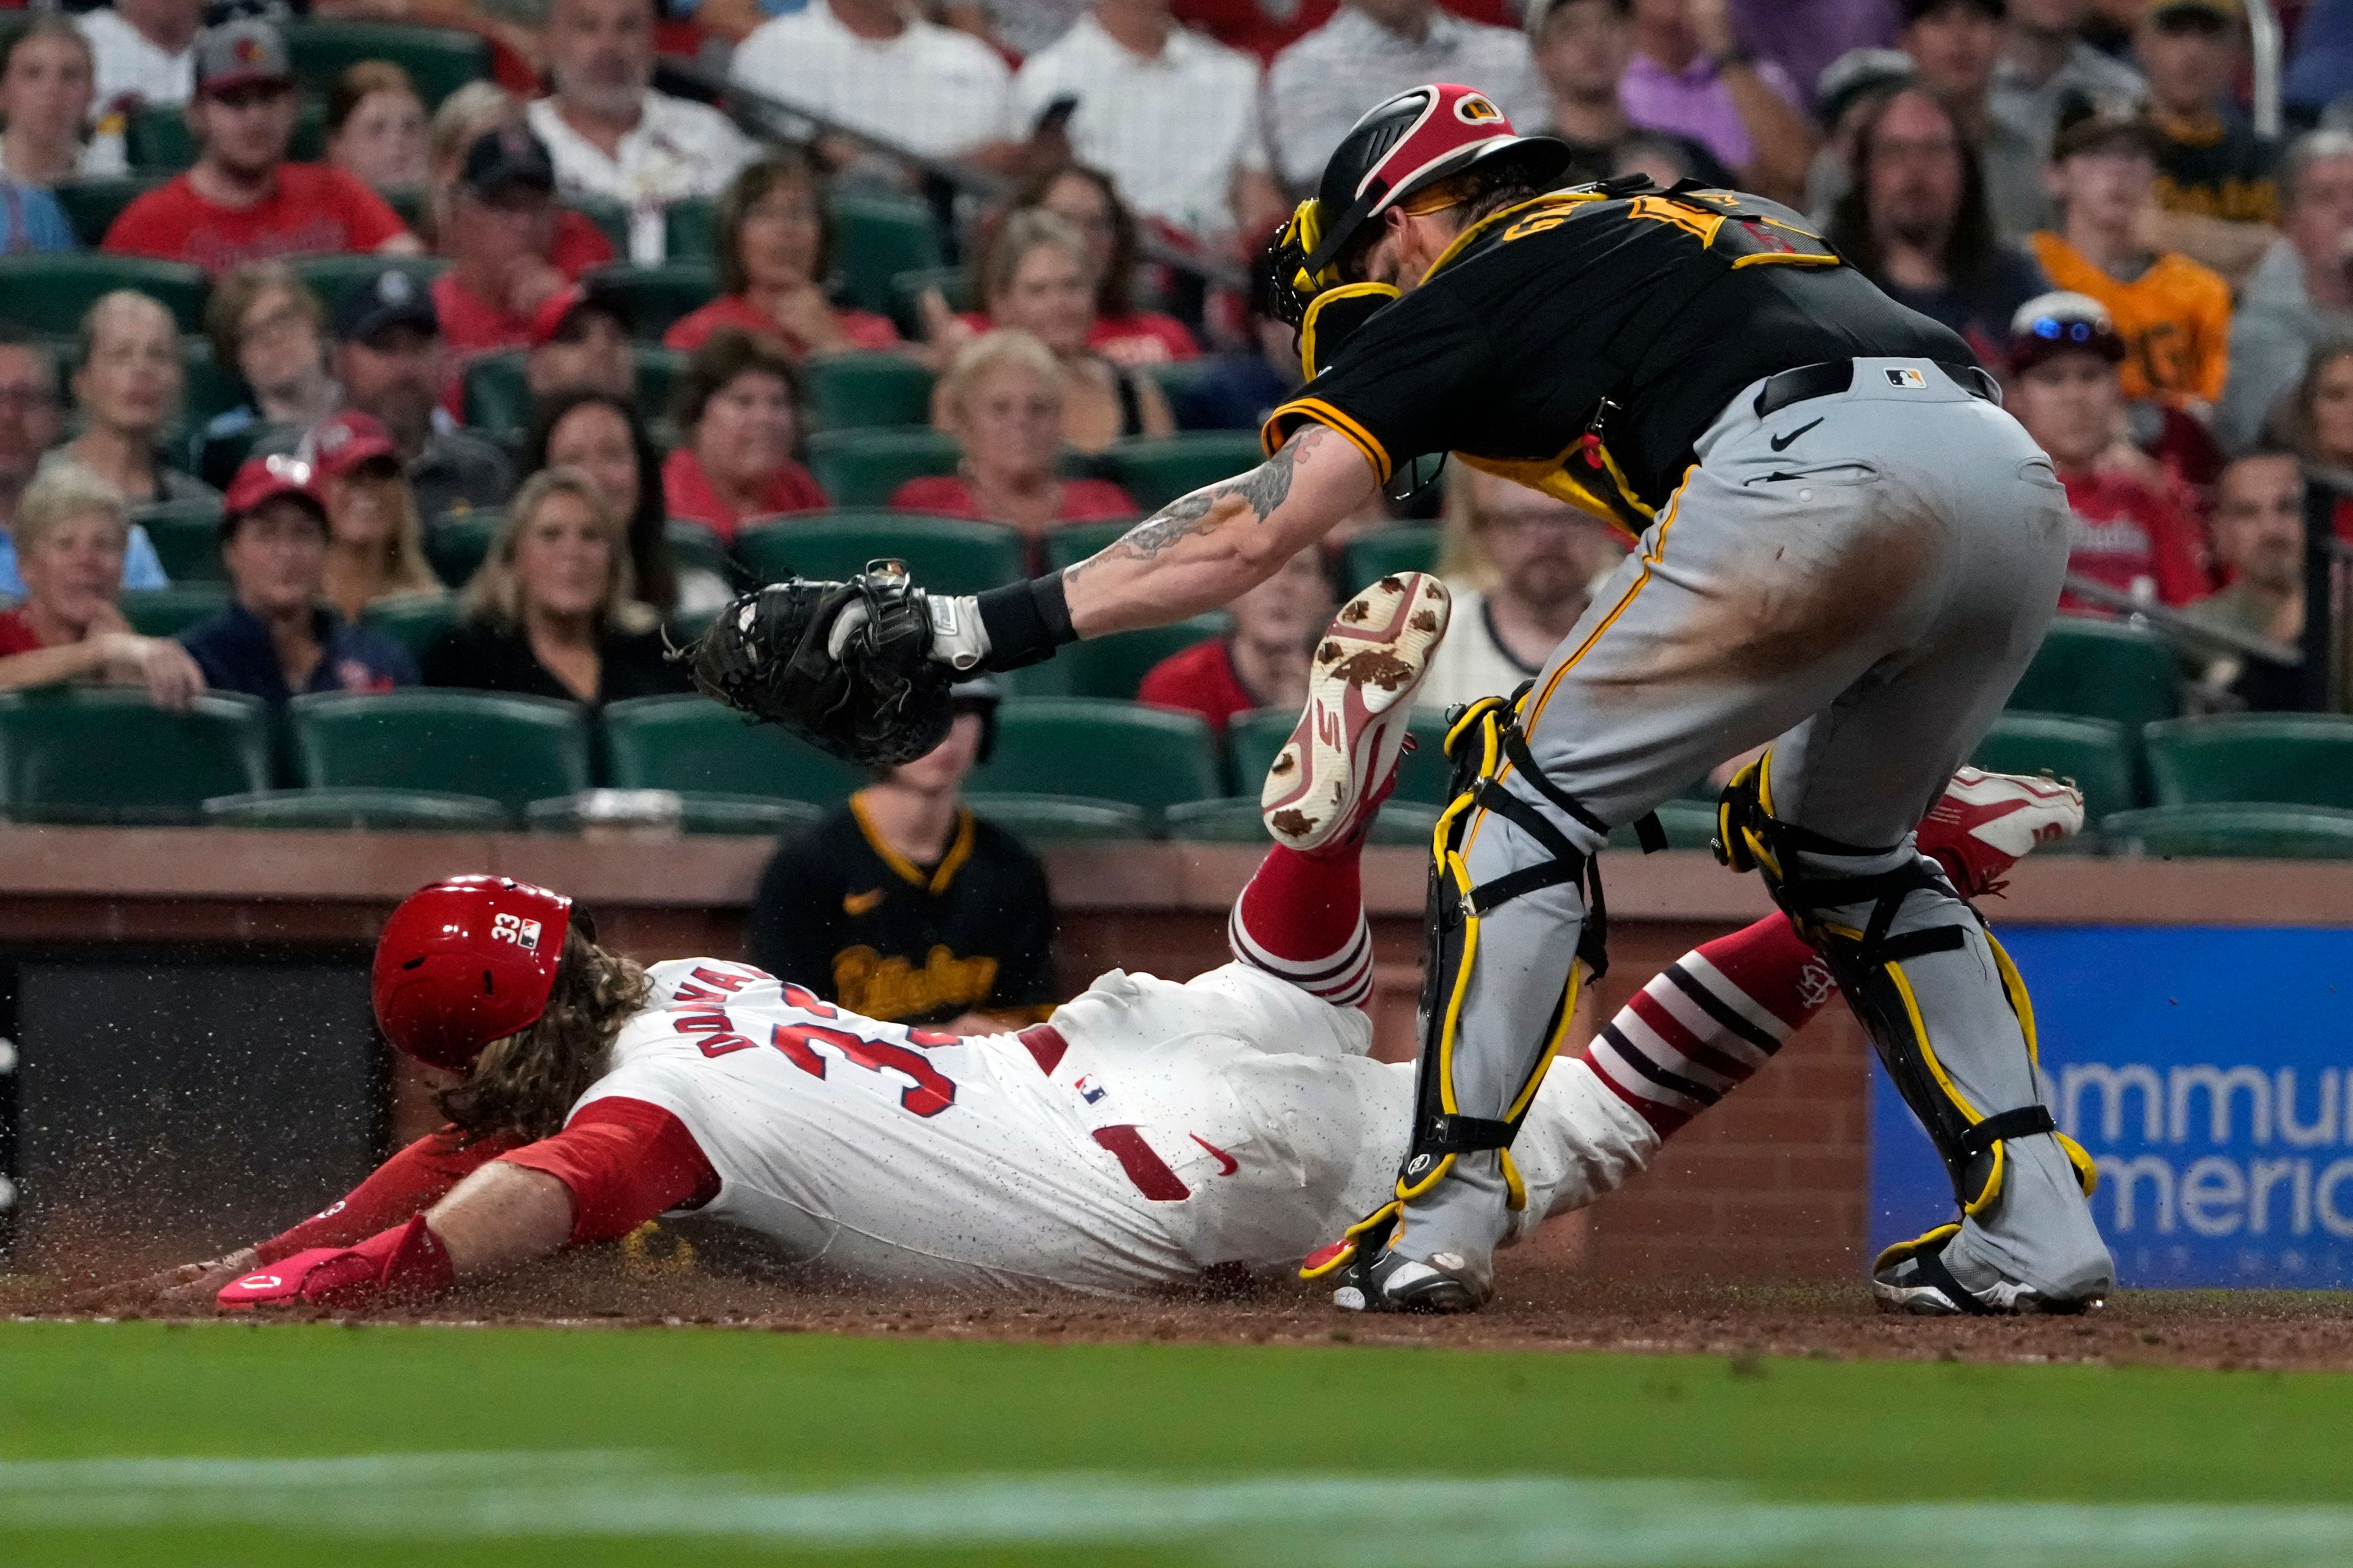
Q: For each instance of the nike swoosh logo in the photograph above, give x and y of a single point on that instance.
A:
(858, 904)
(1782, 443)
(1227, 1164)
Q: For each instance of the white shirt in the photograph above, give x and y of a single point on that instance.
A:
(930, 91)
(1322, 84)
(131, 67)
(1171, 129)
(678, 149)
(1470, 662)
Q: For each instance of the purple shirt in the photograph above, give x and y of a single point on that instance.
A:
(1693, 102)
(1803, 36)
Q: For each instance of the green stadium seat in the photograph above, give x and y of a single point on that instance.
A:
(168, 612)
(866, 467)
(2102, 669)
(1235, 820)
(512, 750)
(2095, 753)
(96, 753)
(439, 60)
(875, 238)
(187, 536)
(328, 275)
(413, 620)
(456, 546)
(1156, 470)
(607, 215)
(858, 391)
(1404, 547)
(1100, 750)
(2228, 831)
(694, 545)
(495, 394)
(93, 205)
(658, 372)
(428, 810)
(691, 229)
(1060, 818)
(1255, 738)
(655, 296)
(158, 141)
(947, 555)
(739, 816)
(694, 745)
(1116, 664)
(411, 202)
(2275, 759)
(50, 293)
(1688, 825)
(1177, 377)
(1068, 543)
(208, 387)
(907, 291)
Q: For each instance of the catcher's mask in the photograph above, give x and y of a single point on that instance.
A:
(1400, 148)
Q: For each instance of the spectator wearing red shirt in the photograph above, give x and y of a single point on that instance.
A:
(2133, 527)
(738, 409)
(1262, 661)
(243, 201)
(775, 241)
(70, 534)
(456, 125)
(500, 236)
(1089, 202)
(1002, 400)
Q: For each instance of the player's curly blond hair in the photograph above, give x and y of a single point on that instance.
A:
(526, 1083)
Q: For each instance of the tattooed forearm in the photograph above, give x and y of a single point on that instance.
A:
(1254, 495)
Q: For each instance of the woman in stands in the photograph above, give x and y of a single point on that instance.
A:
(265, 325)
(551, 612)
(2319, 426)
(1089, 202)
(1002, 400)
(375, 543)
(70, 531)
(776, 255)
(375, 127)
(127, 381)
(46, 95)
(601, 435)
(738, 414)
(1261, 661)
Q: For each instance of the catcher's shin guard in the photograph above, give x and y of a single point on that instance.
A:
(1869, 962)
(1481, 738)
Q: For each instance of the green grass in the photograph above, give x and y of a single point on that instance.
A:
(773, 1412)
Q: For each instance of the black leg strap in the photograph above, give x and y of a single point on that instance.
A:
(2024, 1123)
(1932, 1271)
(1649, 834)
(1444, 1134)
(1567, 865)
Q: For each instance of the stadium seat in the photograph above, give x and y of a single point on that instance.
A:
(51, 292)
(865, 468)
(94, 753)
(1255, 738)
(1068, 543)
(93, 205)
(1100, 750)
(158, 141)
(691, 229)
(1156, 470)
(428, 810)
(1175, 378)
(2228, 831)
(168, 612)
(658, 370)
(2095, 753)
(439, 60)
(1058, 818)
(607, 215)
(741, 816)
(328, 275)
(457, 545)
(2277, 759)
(494, 394)
(907, 291)
(187, 536)
(694, 546)
(1116, 664)
(1405, 547)
(694, 745)
(208, 387)
(655, 296)
(512, 750)
(1235, 820)
(856, 391)
(2102, 669)
(947, 555)
(413, 620)
(875, 238)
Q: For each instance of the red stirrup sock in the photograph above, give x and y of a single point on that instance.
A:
(1707, 1021)
(1302, 919)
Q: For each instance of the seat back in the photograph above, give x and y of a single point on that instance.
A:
(1060, 819)
(864, 468)
(2095, 753)
(439, 60)
(694, 745)
(496, 394)
(1156, 470)
(512, 750)
(415, 621)
(1406, 547)
(106, 754)
(691, 229)
(93, 202)
(168, 612)
(655, 296)
(51, 292)
(1255, 738)
(875, 238)
(945, 554)
(428, 810)
(459, 544)
(328, 275)
(1115, 665)
(187, 536)
(2274, 758)
(2101, 669)
(695, 544)
(866, 390)
(1094, 748)
(2230, 831)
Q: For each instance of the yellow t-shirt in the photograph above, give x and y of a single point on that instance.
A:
(2175, 319)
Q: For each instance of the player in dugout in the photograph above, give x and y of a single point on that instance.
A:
(1150, 1134)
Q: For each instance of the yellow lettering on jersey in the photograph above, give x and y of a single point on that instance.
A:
(1658, 209)
(888, 988)
(854, 904)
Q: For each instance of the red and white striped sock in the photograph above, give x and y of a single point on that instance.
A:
(1302, 919)
(1707, 1021)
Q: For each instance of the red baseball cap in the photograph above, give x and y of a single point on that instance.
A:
(342, 442)
(259, 481)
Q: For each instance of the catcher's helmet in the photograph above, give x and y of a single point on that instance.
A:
(1407, 144)
(465, 961)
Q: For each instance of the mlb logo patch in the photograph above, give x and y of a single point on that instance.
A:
(523, 933)
(1910, 380)
(1088, 1089)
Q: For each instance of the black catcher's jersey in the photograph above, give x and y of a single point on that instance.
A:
(842, 914)
(1662, 303)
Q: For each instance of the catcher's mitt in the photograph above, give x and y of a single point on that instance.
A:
(883, 702)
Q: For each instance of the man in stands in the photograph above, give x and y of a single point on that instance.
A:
(581, 338)
(1956, 43)
(142, 51)
(612, 135)
(2259, 539)
(2216, 179)
(882, 71)
(500, 236)
(2301, 295)
(2131, 525)
(1581, 49)
(30, 423)
(1691, 74)
(2045, 63)
(243, 201)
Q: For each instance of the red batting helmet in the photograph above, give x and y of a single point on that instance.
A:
(1407, 144)
(465, 961)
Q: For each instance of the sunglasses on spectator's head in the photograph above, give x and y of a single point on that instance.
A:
(2067, 330)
